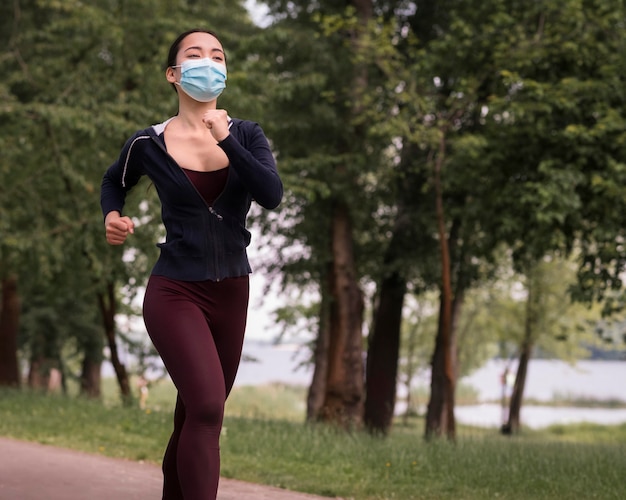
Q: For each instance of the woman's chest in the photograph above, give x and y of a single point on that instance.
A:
(202, 156)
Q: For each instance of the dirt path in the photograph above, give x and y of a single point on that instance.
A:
(31, 471)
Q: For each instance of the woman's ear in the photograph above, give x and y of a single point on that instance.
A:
(170, 75)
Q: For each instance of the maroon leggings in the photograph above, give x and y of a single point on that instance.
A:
(198, 330)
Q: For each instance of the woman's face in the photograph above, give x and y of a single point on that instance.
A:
(196, 46)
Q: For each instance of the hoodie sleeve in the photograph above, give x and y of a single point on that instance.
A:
(255, 164)
(121, 176)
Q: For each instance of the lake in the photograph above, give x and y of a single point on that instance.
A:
(547, 380)
(265, 363)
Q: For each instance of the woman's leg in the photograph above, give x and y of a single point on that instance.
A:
(180, 332)
(171, 483)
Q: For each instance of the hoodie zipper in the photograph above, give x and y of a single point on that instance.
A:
(212, 212)
(209, 207)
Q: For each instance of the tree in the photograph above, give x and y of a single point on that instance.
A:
(426, 116)
(449, 94)
(322, 163)
(550, 320)
(79, 80)
(565, 107)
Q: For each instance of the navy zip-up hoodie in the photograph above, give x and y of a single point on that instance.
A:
(202, 242)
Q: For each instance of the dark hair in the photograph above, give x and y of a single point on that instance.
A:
(171, 55)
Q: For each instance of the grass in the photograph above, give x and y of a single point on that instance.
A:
(404, 467)
(265, 441)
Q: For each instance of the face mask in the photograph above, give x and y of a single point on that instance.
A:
(202, 79)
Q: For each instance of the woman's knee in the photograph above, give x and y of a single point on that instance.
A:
(206, 411)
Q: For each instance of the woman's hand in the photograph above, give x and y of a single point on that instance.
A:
(216, 120)
(118, 228)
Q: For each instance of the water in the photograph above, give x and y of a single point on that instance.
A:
(552, 379)
(274, 364)
(547, 380)
(491, 415)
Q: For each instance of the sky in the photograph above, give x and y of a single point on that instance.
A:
(258, 12)
(260, 318)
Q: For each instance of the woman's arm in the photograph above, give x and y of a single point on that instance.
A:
(256, 166)
(118, 179)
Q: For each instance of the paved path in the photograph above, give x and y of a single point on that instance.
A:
(31, 471)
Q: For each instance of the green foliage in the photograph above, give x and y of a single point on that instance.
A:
(493, 316)
(530, 102)
(562, 328)
(81, 77)
(529, 97)
(527, 116)
(558, 96)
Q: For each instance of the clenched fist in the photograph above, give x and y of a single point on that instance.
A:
(216, 120)
(118, 228)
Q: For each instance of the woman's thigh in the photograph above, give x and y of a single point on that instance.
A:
(227, 315)
(181, 334)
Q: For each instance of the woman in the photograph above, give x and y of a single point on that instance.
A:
(207, 168)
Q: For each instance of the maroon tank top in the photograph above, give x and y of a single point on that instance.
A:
(209, 184)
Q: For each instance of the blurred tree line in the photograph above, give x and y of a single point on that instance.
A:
(451, 167)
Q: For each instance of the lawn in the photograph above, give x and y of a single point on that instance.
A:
(265, 440)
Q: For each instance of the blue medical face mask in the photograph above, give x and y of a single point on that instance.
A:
(202, 79)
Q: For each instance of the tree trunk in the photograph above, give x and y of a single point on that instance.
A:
(514, 423)
(91, 369)
(440, 413)
(317, 389)
(382, 356)
(343, 402)
(107, 309)
(38, 373)
(386, 334)
(436, 413)
(9, 326)
(90, 378)
(457, 306)
(384, 341)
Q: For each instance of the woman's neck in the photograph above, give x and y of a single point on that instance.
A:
(190, 112)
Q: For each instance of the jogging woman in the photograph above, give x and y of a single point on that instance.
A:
(207, 168)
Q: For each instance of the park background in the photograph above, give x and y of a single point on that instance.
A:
(455, 197)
